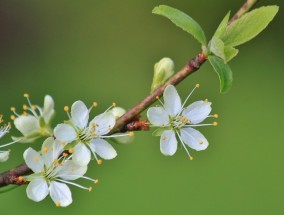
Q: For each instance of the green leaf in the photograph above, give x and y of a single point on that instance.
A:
(159, 131)
(248, 26)
(230, 53)
(222, 27)
(183, 21)
(223, 71)
(216, 46)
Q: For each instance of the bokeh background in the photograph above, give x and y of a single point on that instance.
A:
(104, 51)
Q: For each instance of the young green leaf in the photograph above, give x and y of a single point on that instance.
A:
(222, 26)
(223, 71)
(216, 46)
(230, 53)
(248, 26)
(183, 21)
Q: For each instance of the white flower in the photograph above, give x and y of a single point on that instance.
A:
(36, 123)
(52, 173)
(175, 121)
(89, 137)
(4, 155)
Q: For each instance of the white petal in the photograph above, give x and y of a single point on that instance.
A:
(37, 189)
(197, 111)
(168, 143)
(81, 155)
(172, 103)
(103, 149)
(158, 116)
(27, 125)
(79, 114)
(48, 108)
(4, 156)
(194, 139)
(103, 123)
(65, 133)
(34, 160)
(60, 193)
(71, 171)
(51, 149)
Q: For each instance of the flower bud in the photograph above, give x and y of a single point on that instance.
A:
(163, 70)
(117, 112)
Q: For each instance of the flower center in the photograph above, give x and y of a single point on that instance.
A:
(85, 136)
(179, 121)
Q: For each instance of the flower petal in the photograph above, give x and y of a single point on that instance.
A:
(60, 194)
(103, 149)
(172, 102)
(168, 143)
(33, 160)
(71, 171)
(4, 156)
(37, 189)
(158, 116)
(102, 123)
(79, 114)
(51, 149)
(194, 139)
(27, 125)
(65, 133)
(48, 108)
(81, 155)
(197, 111)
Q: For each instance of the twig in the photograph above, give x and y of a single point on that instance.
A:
(13, 176)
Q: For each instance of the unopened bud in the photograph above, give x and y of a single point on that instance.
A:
(163, 70)
(117, 112)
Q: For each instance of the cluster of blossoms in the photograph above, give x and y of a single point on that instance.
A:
(68, 148)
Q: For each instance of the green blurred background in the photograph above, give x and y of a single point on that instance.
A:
(104, 51)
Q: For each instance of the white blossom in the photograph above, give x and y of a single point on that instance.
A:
(35, 121)
(176, 122)
(4, 129)
(53, 170)
(88, 136)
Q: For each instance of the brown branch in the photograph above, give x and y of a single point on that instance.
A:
(13, 176)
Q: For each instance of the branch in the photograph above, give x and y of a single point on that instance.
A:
(13, 176)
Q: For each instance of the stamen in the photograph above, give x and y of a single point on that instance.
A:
(216, 116)
(36, 159)
(25, 107)
(58, 204)
(99, 161)
(32, 107)
(95, 104)
(184, 146)
(8, 144)
(71, 151)
(72, 183)
(191, 158)
(12, 117)
(206, 100)
(196, 86)
(44, 150)
(158, 98)
(66, 108)
(113, 104)
(215, 123)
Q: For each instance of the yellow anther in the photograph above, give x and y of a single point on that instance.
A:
(131, 133)
(197, 85)
(95, 104)
(90, 189)
(99, 161)
(24, 113)
(36, 159)
(206, 100)
(113, 104)
(72, 169)
(157, 97)
(33, 107)
(96, 181)
(216, 116)
(71, 151)
(201, 142)
(12, 117)
(191, 158)
(62, 143)
(21, 178)
(65, 154)
(44, 150)
(13, 109)
(66, 108)
(215, 123)
(25, 107)
(26, 95)
(9, 124)
(58, 204)
(164, 138)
